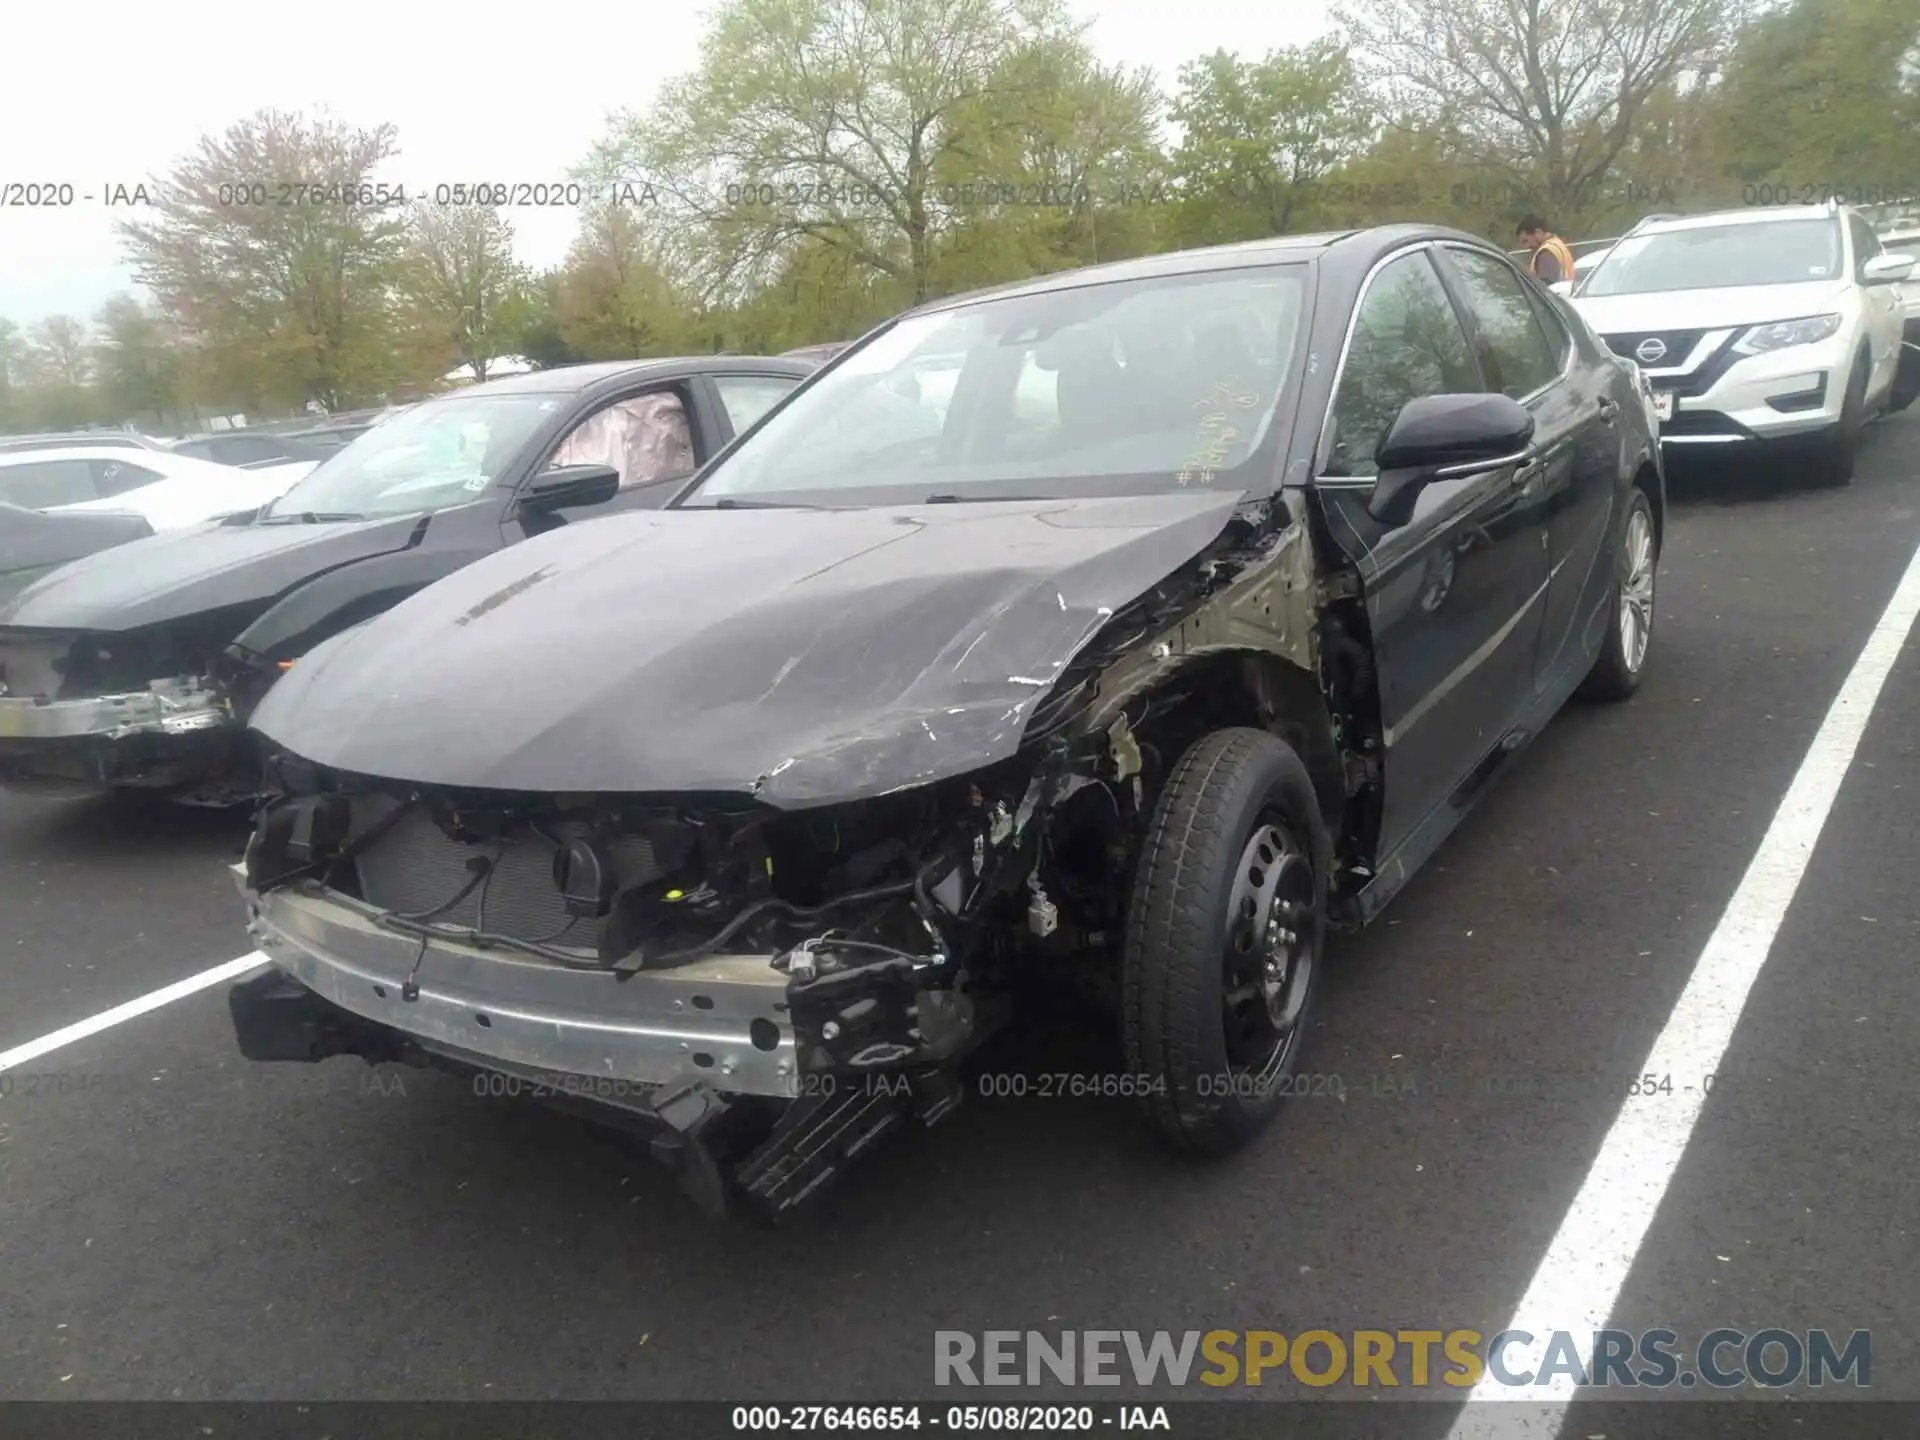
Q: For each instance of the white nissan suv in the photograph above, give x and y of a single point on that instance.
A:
(1781, 325)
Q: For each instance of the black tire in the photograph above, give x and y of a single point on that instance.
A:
(1203, 1093)
(1616, 673)
(1833, 462)
(1906, 384)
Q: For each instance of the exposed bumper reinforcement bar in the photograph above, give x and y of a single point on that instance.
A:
(720, 1156)
(157, 711)
(725, 1016)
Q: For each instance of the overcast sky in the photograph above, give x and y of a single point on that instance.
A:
(93, 98)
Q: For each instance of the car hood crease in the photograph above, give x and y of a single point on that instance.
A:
(802, 657)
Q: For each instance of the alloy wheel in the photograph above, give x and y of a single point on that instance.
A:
(1636, 590)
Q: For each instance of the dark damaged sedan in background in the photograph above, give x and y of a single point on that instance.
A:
(138, 667)
(1140, 623)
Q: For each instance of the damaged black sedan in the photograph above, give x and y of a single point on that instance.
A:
(1144, 623)
(136, 668)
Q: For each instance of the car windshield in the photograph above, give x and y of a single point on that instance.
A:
(1124, 388)
(438, 454)
(1719, 257)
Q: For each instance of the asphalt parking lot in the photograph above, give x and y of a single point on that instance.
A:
(176, 1223)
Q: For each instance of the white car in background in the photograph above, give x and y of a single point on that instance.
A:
(1905, 240)
(169, 491)
(1781, 326)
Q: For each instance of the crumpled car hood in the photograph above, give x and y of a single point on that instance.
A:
(803, 657)
(186, 572)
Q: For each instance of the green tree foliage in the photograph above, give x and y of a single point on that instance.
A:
(460, 286)
(827, 163)
(535, 323)
(137, 362)
(832, 121)
(1822, 93)
(614, 300)
(284, 302)
(1262, 138)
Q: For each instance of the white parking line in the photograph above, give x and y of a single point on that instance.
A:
(107, 1019)
(1575, 1288)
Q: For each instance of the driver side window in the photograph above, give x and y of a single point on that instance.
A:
(1407, 342)
(645, 437)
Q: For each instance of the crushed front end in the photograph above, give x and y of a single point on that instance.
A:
(84, 710)
(775, 972)
(769, 992)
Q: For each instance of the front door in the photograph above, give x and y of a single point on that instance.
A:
(655, 438)
(1529, 356)
(1453, 596)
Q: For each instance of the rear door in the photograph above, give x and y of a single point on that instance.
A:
(1453, 596)
(1529, 356)
(743, 397)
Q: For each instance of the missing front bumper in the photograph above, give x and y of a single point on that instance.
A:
(165, 736)
(161, 709)
(755, 1087)
(725, 1018)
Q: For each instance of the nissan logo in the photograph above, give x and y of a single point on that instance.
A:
(1650, 350)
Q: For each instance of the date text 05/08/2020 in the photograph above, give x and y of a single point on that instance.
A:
(961, 1419)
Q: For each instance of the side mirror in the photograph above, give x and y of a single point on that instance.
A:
(1444, 437)
(570, 485)
(1561, 287)
(1886, 269)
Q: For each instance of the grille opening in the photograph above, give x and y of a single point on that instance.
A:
(415, 869)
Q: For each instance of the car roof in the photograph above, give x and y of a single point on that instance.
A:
(111, 439)
(123, 453)
(1751, 215)
(1346, 248)
(615, 374)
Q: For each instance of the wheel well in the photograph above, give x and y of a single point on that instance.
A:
(1256, 689)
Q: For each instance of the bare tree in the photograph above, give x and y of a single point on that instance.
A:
(1550, 91)
(60, 353)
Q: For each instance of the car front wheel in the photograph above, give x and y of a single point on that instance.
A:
(1224, 939)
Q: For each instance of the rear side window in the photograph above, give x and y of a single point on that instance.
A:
(1559, 338)
(41, 484)
(1517, 346)
(116, 477)
(748, 397)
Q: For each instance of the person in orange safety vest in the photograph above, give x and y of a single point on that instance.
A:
(1551, 260)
